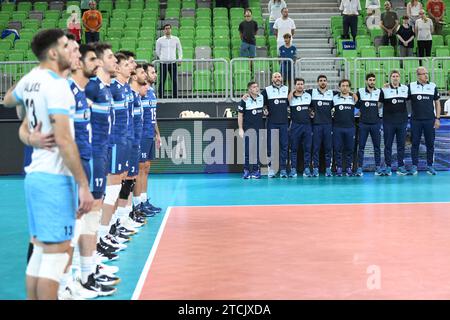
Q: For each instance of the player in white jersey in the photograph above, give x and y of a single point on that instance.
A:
(49, 185)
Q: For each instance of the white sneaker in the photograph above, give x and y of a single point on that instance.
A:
(131, 225)
(109, 270)
(270, 173)
(111, 240)
(82, 292)
(68, 294)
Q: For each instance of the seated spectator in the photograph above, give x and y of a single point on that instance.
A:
(423, 30)
(389, 24)
(412, 11)
(275, 7)
(405, 36)
(436, 10)
(288, 50)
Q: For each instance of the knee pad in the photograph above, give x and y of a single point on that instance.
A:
(90, 223)
(34, 263)
(76, 232)
(53, 266)
(127, 188)
(112, 194)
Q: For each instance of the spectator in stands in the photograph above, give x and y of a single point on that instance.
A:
(350, 11)
(405, 35)
(423, 30)
(247, 30)
(283, 25)
(412, 11)
(389, 24)
(166, 50)
(74, 26)
(288, 50)
(436, 10)
(92, 22)
(275, 7)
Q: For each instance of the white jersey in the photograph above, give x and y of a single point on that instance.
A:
(44, 93)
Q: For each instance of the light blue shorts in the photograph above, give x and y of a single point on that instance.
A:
(51, 204)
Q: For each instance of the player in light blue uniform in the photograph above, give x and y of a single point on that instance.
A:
(49, 184)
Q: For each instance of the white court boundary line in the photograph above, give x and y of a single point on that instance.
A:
(314, 204)
(151, 256)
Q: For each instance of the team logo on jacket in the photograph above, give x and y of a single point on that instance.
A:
(419, 97)
(254, 111)
(367, 104)
(341, 107)
(276, 101)
(299, 108)
(394, 101)
(319, 103)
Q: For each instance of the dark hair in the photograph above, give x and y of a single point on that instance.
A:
(321, 76)
(84, 49)
(145, 66)
(299, 79)
(127, 53)
(138, 66)
(120, 57)
(45, 40)
(250, 84)
(393, 71)
(287, 35)
(345, 80)
(151, 65)
(248, 10)
(70, 36)
(100, 48)
(405, 18)
(370, 75)
(167, 24)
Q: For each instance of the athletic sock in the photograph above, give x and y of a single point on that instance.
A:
(87, 265)
(144, 197)
(136, 200)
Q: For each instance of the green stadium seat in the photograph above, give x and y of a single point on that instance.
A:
(442, 51)
(411, 65)
(30, 56)
(187, 22)
(386, 51)
(119, 14)
(5, 45)
(240, 81)
(122, 4)
(24, 6)
(137, 4)
(203, 12)
(131, 33)
(144, 54)
(105, 5)
(222, 42)
(220, 81)
(203, 32)
(202, 81)
(19, 16)
(152, 5)
(115, 44)
(260, 41)
(134, 13)
(241, 66)
(221, 13)
(203, 42)
(133, 23)
(221, 53)
(237, 12)
(52, 15)
(187, 42)
(22, 45)
(30, 24)
(8, 7)
(206, 23)
(391, 64)
(350, 53)
(40, 6)
(15, 56)
(117, 23)
(261, 65)
(375, 33)
(128, 43)
(187, 32)
(27, 34)
(440, 78)
(48, 24)
(368, 52)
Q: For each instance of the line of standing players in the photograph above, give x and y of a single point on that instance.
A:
(324, 118)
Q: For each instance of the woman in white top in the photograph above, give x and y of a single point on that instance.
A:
(275, 7)
(423, 30)
(412, 11)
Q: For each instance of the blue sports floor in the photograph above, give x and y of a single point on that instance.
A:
(208, 190)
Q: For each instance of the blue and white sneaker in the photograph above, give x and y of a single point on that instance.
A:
(328, 172)
(315, 172)
(359, 172)
(270, 173)
(402, 171)
(151, 207)
(293, 173)
(413, 170)
(307, 173)
(256, 174)
(147, 212)
(379, 171)
(283, 173)
(388, 171)
(349, 172)
(431, 171)
(246, 174)
(338, 172)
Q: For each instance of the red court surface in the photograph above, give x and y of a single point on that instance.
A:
(371, 251)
